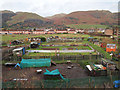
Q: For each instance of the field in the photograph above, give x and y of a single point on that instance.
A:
(64, 47)
(29, 73)
(62, 68)
(53, 54)
(7, 38)
(84, 26)
(77, 75)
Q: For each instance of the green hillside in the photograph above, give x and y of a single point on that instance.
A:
(22, 16)
(85, 26)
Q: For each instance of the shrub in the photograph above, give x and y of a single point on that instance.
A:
(65, 33)
(43, 39)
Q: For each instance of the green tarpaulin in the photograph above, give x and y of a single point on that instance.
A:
(35, 62)
(54, 72)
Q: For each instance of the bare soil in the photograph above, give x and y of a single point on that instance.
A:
(9, 73)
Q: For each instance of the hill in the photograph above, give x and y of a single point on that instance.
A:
(6, 16)
(57, 16)
(23, 16)
(25, 20)
(87, 26)
(22, 20)
(102, 17)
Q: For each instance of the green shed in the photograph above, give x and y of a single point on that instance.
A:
(43, 62)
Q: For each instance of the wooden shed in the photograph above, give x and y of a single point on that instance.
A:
(111, 47)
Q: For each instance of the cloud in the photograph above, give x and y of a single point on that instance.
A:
(51, 7)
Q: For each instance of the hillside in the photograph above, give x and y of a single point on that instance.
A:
(23, 16)
(102, 17)
(6, 16)
(25, 20)
(21, 20)
(87, 26)
(57, 16)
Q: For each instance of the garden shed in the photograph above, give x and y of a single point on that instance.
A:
(34, 44)
(111, 47)
(43, 62)
(19, 51)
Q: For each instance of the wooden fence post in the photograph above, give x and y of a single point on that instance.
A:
(63, 57)
(83, 56)
(76, 59)
(50, 56)
(96, 57)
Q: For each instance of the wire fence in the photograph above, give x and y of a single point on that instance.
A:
(68, 57)
(87, 82)
(56, 58)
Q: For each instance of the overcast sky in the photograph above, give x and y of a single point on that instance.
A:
(51, 7)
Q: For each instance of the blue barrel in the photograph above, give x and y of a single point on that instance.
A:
(116, 83)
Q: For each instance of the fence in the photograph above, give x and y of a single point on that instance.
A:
(65, 41)
(67, 57)
(61, 51)
(87, 82)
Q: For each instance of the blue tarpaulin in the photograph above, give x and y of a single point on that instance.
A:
(116, 83)
(17, 65)
(23, 50)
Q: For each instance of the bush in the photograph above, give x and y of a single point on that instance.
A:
(43, 39)
(65, 33)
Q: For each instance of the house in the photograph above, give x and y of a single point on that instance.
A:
(15, 31)
(39, 32)
(3, 32)
(91, 31)
(61, 31)
(26, 32)
(80, 30)
(12, 31)
(101, 31)
(20, 31)
(85, 31)
(72, 31)
(51, 31)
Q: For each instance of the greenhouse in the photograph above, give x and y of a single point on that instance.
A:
(43, 62)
